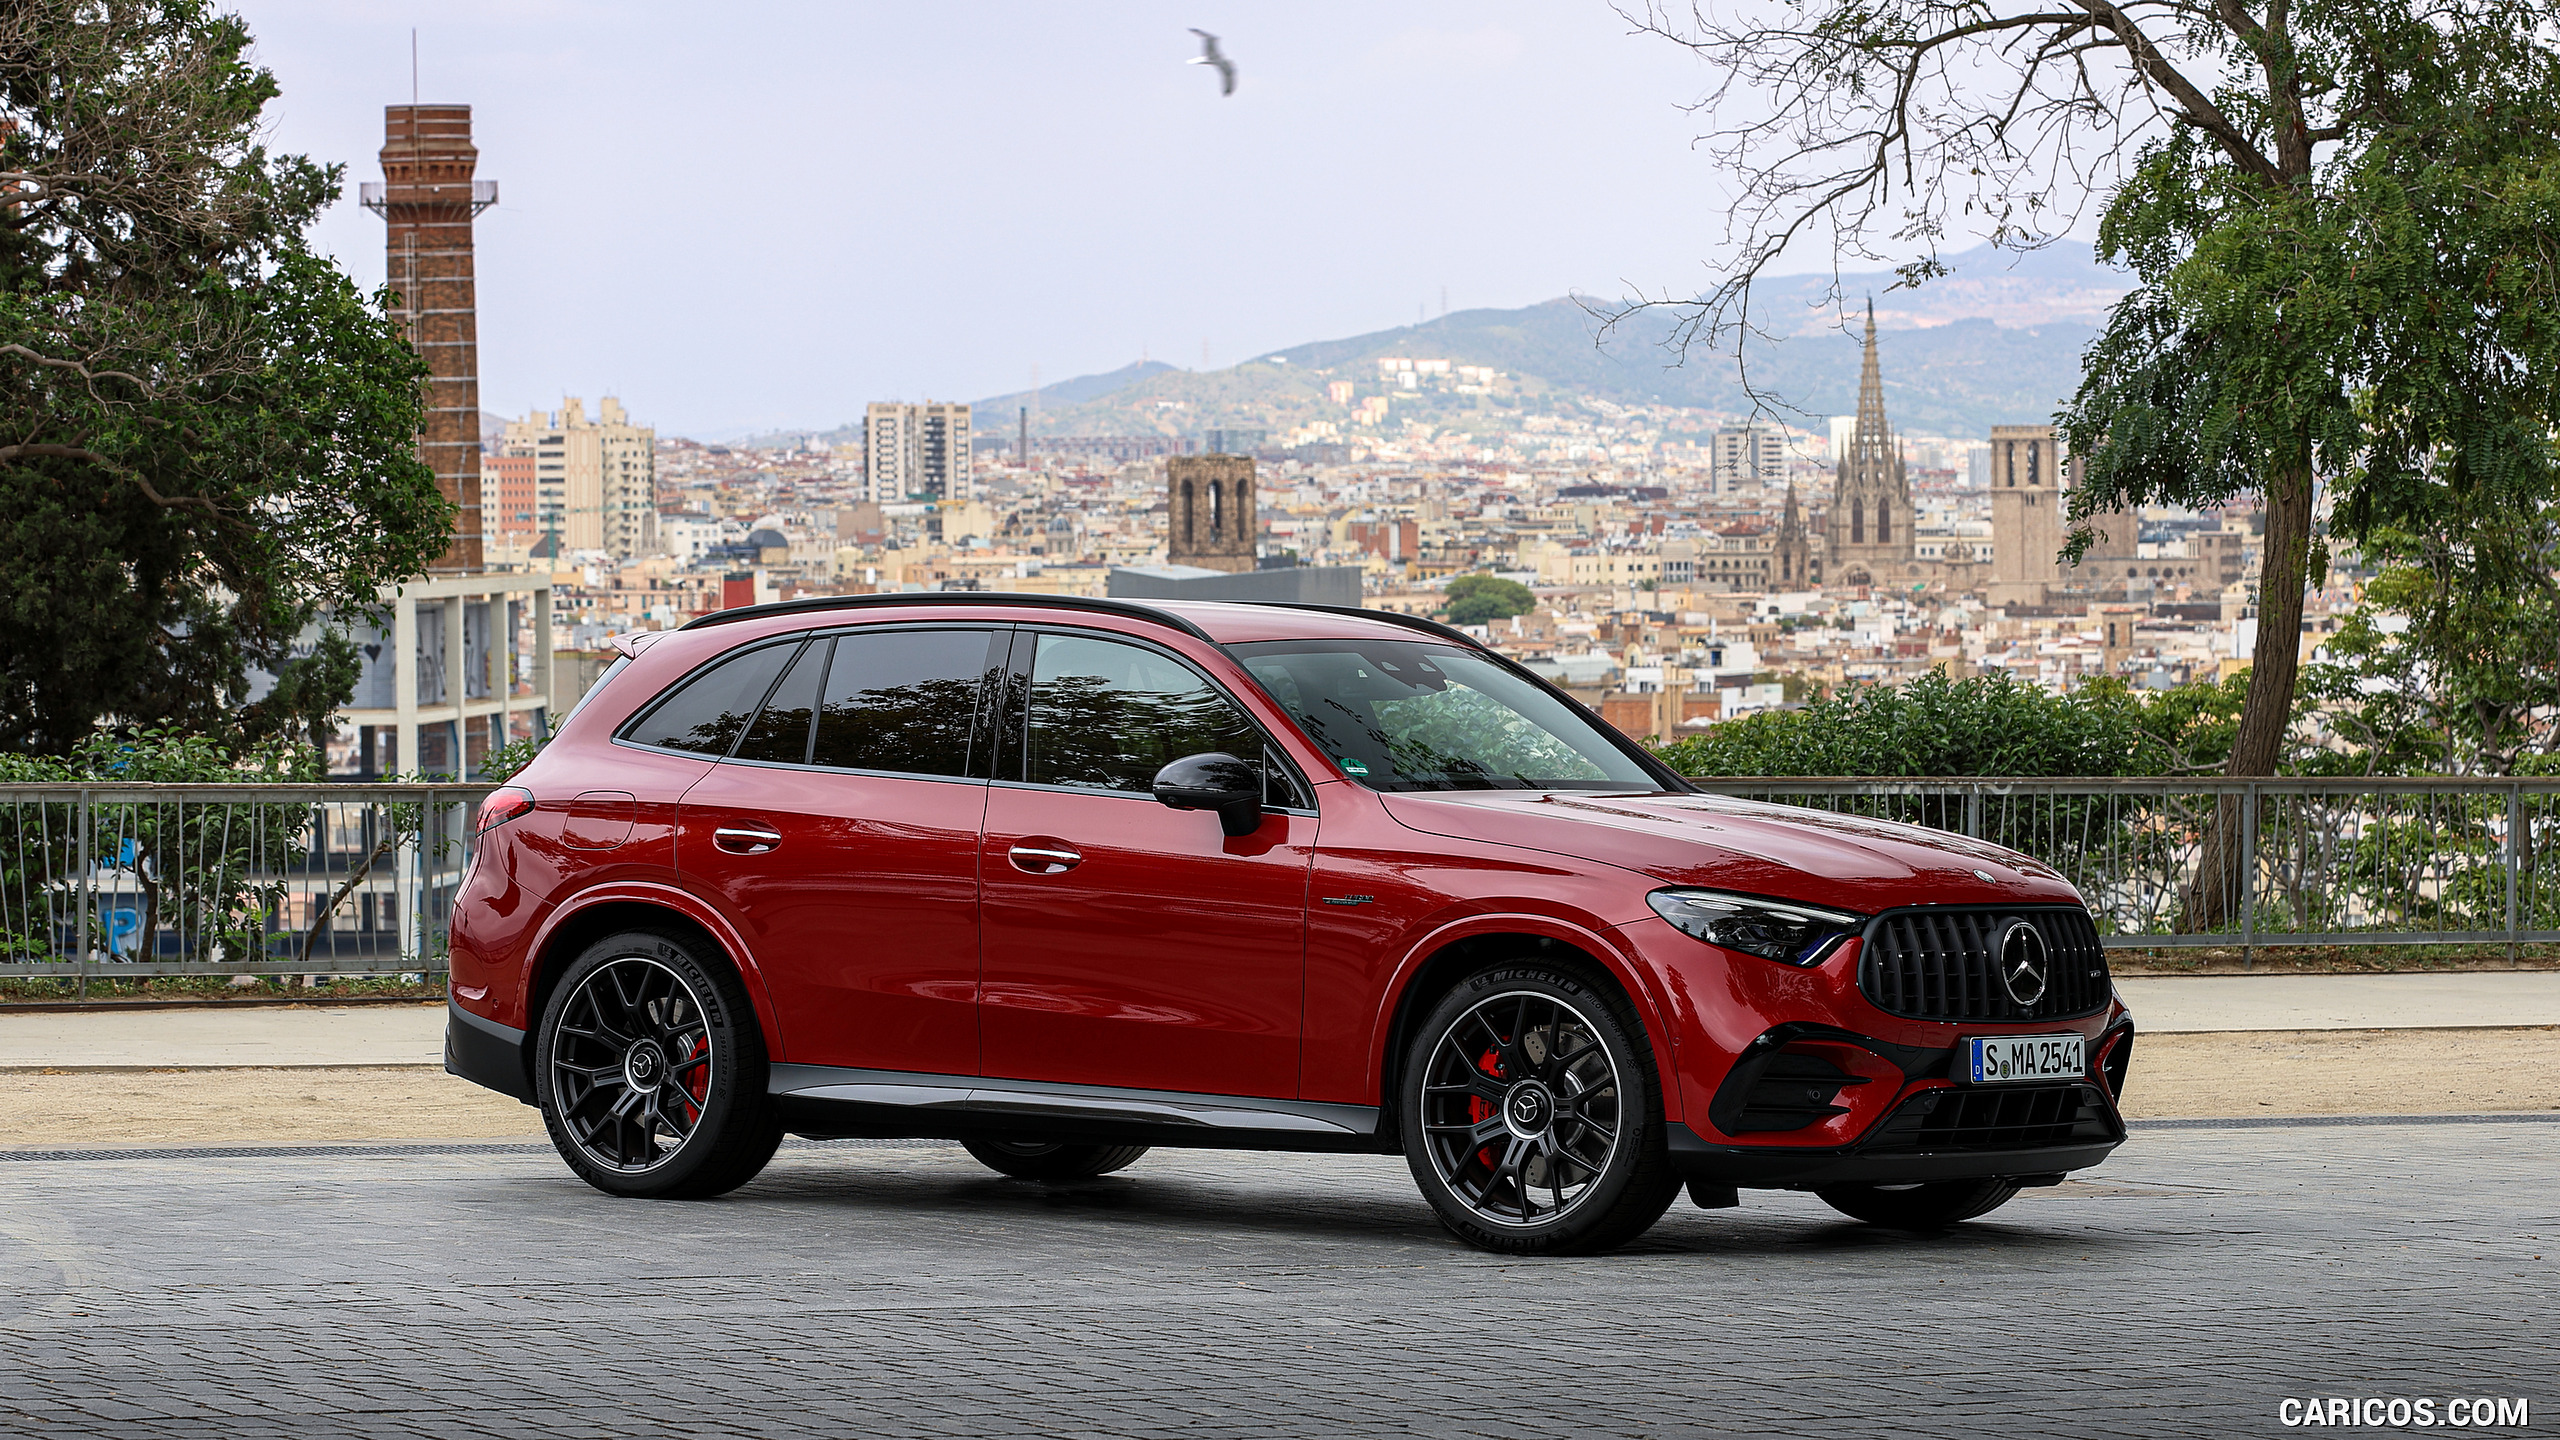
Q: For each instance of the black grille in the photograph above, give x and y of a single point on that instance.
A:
(2024, 1117)
(1941, 964)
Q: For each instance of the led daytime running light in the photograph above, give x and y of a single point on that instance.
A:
(1790, 934)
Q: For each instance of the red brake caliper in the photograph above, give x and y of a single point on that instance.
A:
(1479, 1109)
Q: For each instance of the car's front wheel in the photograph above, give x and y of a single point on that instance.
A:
(1932, 1206)
(1044, 1160)
(1532, 1117)
(650, 1071)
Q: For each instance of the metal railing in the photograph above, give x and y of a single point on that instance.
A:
(130, 880)
(2208, 862)
(112, 881)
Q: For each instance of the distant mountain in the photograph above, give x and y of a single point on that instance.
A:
(1995, 342)
(1068, 392)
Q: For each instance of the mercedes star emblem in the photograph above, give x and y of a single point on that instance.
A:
(2022, 963)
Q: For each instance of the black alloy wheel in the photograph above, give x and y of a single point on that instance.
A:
(650, 1071)
(1532, 1117)
(1921, 1208)
(1052, 1161)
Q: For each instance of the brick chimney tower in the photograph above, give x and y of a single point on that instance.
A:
(428, 197)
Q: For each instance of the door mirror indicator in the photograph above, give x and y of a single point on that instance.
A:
(1215, 781)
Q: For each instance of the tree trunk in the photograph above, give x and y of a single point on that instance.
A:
(2214, 896)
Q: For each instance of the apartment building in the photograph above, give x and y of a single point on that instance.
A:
(918, 452)
(595, 481)
(1748, 457)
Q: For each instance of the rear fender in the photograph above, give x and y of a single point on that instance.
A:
(677, 901)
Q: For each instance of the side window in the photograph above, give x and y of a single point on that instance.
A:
(705, 714)
(902, 700)
(1108, 716)
(781, 731)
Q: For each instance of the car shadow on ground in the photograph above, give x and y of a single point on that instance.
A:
(1364, 1203)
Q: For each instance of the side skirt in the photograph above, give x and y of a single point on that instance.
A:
(892, 1104)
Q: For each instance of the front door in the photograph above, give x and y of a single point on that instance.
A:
(1127, 943)
(842, 837)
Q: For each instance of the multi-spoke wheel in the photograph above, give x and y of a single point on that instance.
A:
(1052, 1160)
(651, 1072)
(1531, 1117)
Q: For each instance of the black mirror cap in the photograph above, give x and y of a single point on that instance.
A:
(1215, 781)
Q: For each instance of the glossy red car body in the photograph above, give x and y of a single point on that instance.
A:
(913, 975)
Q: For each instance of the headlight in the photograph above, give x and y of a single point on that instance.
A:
(1789, 934)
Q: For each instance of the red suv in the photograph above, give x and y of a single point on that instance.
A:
(1065, 879)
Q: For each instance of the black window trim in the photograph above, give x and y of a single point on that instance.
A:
(1013, 703)
(998, 635)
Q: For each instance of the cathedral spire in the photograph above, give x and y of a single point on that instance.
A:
(1872, 438)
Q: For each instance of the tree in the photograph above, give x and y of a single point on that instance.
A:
(2341, 214)
(2452, 663)
(1482, 599)
(1991, 724)
(206, 432)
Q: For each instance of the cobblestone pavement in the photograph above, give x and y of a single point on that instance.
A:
(902, 1291)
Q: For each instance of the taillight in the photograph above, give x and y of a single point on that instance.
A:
(504, 804)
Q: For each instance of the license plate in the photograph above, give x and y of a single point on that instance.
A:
(2008, 1059)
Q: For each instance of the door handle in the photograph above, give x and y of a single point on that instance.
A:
(1043, 859)
(745, 840)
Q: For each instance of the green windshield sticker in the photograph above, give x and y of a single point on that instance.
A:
(1353, 767)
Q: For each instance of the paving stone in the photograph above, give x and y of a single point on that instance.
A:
(2182, 1290)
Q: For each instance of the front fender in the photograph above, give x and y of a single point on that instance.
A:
(1601, 944)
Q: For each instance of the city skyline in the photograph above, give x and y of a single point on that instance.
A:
(1362, 176)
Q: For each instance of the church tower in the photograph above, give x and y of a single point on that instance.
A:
(1868, 531)
(1795, 548)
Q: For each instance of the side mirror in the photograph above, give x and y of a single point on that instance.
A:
(1215, 781)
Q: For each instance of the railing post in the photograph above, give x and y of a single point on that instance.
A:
(1973, 811)
(2249, 876)
(2515, 852)
(88, 898)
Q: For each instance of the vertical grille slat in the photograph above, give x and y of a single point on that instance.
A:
(1938, 963)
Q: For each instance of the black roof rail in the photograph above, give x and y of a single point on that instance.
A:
(820, 603)
(1411, 622)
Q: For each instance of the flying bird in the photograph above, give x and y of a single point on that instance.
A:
(1209, 56)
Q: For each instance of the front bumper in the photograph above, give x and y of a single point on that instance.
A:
(1946, 1133)
(485, 1052)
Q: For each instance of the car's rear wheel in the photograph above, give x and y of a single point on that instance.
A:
(650, 1071)
(1932, 1206)
(1046, 1160)
(1532, 1116)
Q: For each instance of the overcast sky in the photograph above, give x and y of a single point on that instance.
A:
(746, 215)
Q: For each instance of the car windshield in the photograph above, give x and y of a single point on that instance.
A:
(1408, 715)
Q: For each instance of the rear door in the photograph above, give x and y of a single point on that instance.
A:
(1127, 943)
(841, 836)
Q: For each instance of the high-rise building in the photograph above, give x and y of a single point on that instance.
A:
(595, 481)
(1748, 457)
(508, 496)
(916, 452)
(1868, 532)
(1212, 521)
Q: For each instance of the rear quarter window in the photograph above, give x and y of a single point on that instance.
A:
(703, 715)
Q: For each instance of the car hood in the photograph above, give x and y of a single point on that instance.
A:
(1782, 851)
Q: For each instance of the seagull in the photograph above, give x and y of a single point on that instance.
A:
(1209, 56)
